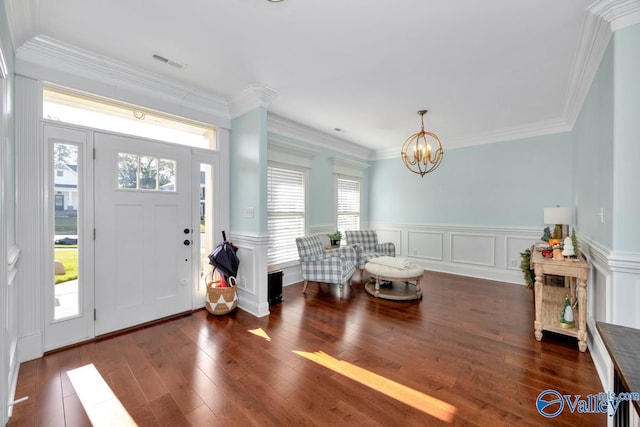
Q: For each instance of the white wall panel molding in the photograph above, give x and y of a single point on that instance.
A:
(491, 252)
(47, 59)
(30, 209)
(425, 245)
(389, 235)
(476, 249)
(297, 131)
(252, 273)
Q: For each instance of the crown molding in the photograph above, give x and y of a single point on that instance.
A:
(48, 53)
(507, 134)
(256, 95)
(617, 13)
(20, 14)
(601, 19)
(288, 128)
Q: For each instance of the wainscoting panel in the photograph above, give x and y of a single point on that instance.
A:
(514, 247)
(485, 252)
(425, 245)
(473, 249)
(393, 236)
(252, 273)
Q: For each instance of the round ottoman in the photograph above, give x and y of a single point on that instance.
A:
(394, 270)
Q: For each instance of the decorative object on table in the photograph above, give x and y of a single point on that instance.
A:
(557, 253)
(335, 238)
(574, 240)
(559, 217)
(566, 316)
(525, 266)
(567, 249)
(418, 154)
(546, 235)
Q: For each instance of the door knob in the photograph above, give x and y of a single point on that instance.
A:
(187, 242)
(187, 231)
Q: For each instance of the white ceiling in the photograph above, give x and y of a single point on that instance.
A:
(485, 70)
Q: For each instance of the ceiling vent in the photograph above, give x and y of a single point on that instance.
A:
(168, 61)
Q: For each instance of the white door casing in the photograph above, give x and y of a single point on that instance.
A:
(143, 240)
(77, 328)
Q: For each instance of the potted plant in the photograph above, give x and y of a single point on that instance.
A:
(335, 238)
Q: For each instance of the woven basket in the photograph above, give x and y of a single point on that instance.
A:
(221, 300)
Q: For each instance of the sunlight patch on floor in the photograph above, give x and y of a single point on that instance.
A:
(261, 333)
(100, 403)
(423, 402)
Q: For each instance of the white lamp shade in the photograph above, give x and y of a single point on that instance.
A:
(558, 215)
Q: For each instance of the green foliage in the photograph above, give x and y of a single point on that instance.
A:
(525, 266)
(547, 235)
(574, 241)
(335, 236)
(68, 258)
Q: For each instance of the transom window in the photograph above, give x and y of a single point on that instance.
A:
(101, 113)
(286, 213)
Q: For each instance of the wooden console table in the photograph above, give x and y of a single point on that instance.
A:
(623, 345)
(550, 299)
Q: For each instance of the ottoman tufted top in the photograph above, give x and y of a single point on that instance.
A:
(413, 270)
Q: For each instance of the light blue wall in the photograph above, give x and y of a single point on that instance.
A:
(501, 184)
(248, 172)
(626, 140)
(593, 152)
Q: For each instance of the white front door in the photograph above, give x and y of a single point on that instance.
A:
(143, 231)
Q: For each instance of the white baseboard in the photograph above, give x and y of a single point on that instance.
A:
(30, 347)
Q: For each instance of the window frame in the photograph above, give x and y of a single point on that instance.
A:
(305, 178)
(337, 194)
(284, 154)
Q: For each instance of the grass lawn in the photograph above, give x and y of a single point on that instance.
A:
(68, 258)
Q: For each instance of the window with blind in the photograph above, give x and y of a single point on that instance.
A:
(286, 213)
(348, 204)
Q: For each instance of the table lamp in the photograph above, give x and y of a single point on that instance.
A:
(559, 217)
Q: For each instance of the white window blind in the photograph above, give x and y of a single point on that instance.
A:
(286, 214)
(348, 204)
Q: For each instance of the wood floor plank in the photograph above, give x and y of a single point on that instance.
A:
(468, 343)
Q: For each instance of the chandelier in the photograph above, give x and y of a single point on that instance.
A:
(418, 152)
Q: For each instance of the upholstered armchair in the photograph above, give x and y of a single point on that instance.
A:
(335, 266)
(365, 242)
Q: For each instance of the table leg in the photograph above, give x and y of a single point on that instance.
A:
(377, 286)
(539, 286)
(418, 290)
(582, 315)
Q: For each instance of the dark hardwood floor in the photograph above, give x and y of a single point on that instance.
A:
(467, 345)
